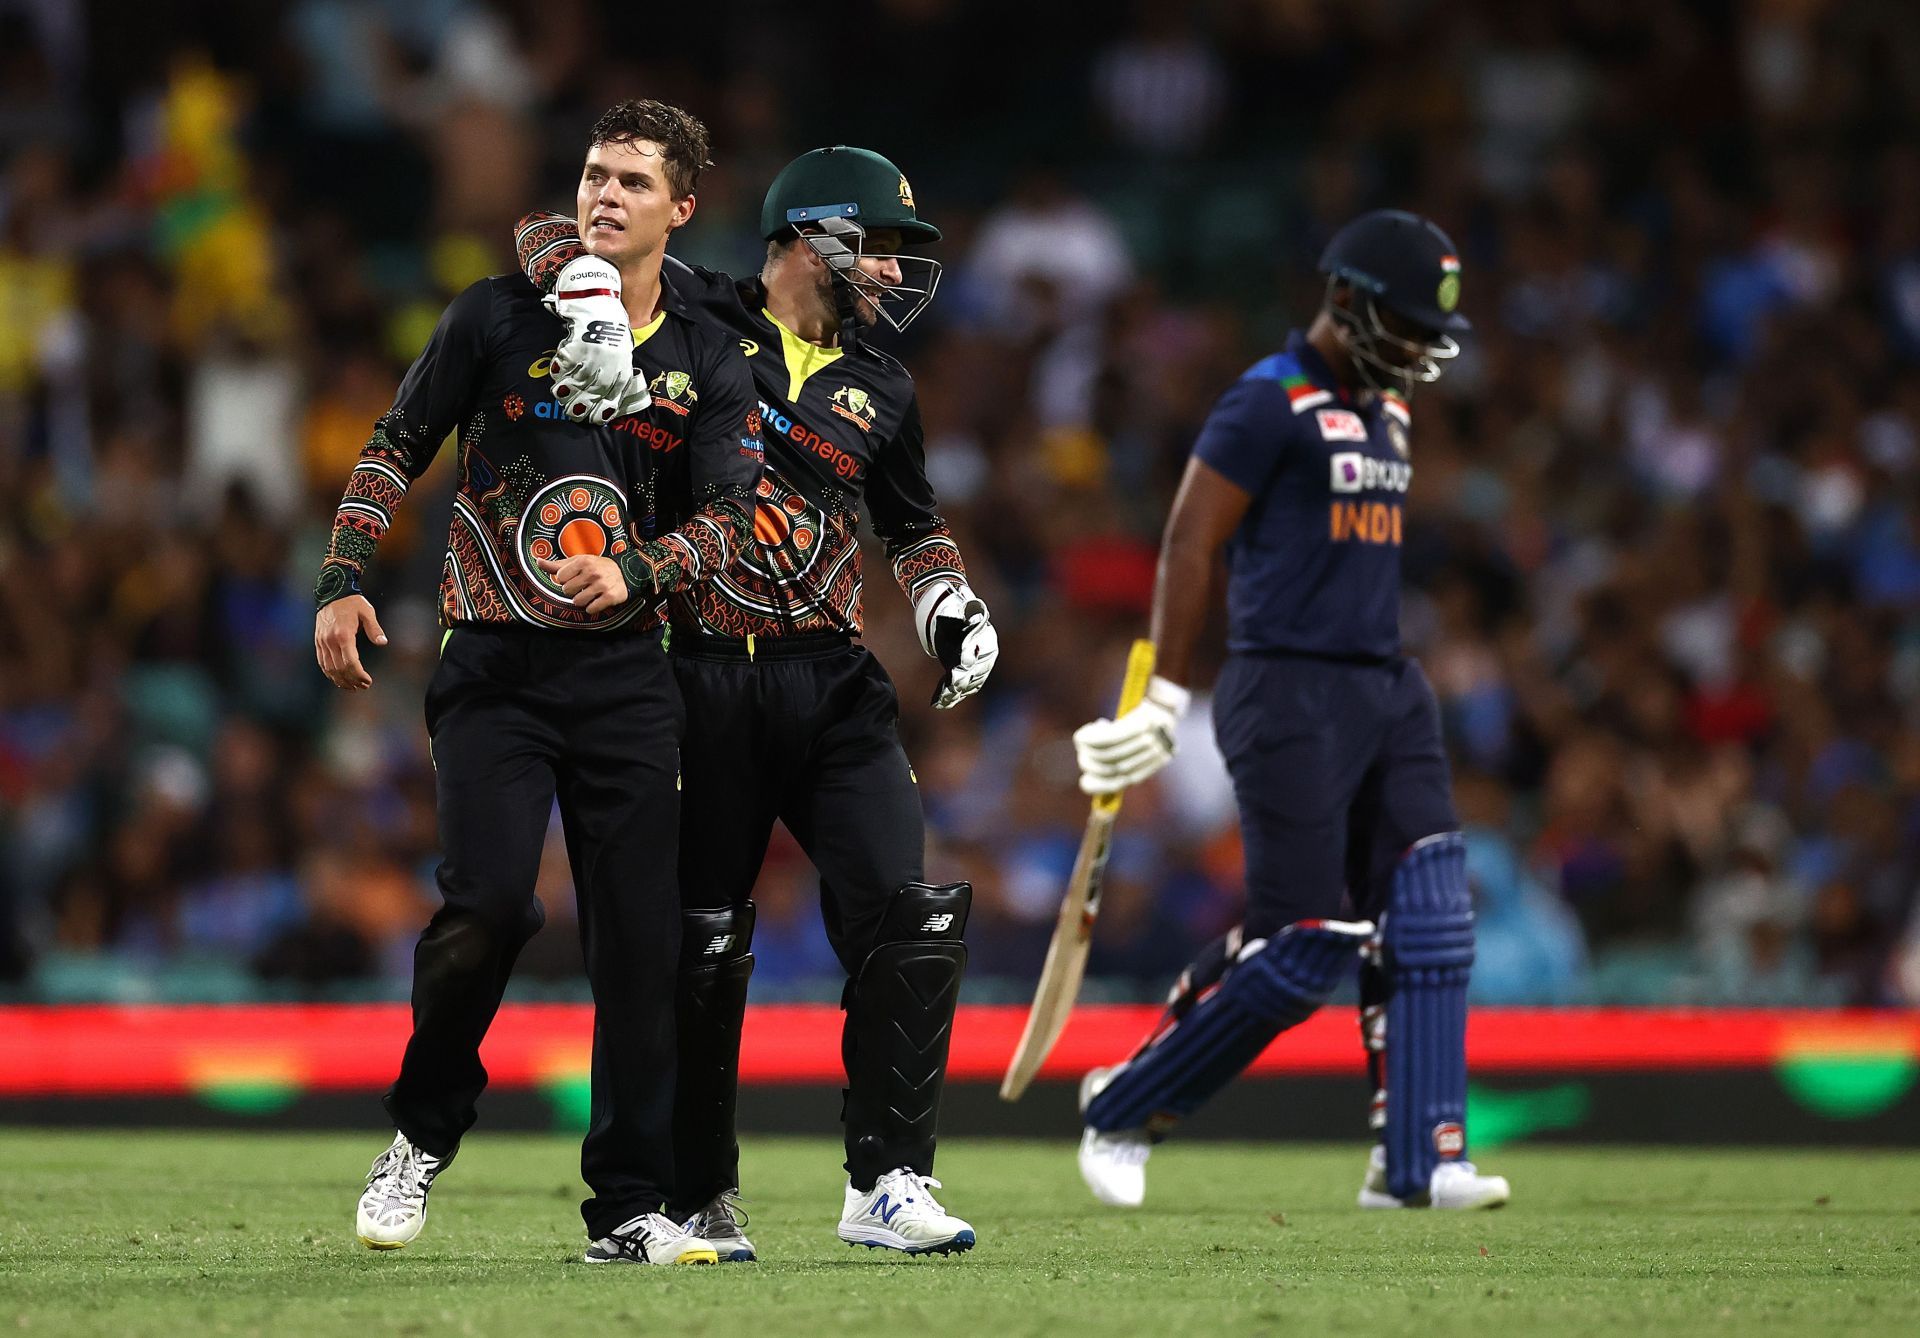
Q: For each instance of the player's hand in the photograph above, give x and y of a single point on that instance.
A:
(592, 582)
(1117, 753)
(336, 644)
(956, 629)
(592, 370)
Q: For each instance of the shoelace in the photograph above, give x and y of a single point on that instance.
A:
(922, 1204)
(653, 1225)
(404, 1169)
(724, 1212)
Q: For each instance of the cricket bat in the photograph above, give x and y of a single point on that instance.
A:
(1066, 961)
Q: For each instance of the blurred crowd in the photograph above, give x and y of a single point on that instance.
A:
(1663, 559)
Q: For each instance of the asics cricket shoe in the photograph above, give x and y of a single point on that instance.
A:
(394, 1206)
(651, 1238)
(900, 1213)
(1114, 1165)
(722, 1224)
(1454, 1184)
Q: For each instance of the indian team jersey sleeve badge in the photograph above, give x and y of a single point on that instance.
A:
(1399, 420)
(854, 405)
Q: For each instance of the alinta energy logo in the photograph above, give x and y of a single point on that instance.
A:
(856, 406)
(812, 443)
(674, 392)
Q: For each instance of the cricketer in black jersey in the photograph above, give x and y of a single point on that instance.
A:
(766, 659)
(552, 685)
(839, 425)
(666, 493)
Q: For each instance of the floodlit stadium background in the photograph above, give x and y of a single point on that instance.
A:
(1663, 558)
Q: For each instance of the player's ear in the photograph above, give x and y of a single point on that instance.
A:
(682, 211)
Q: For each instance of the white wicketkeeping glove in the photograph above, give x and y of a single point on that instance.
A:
(956, 630)
(1117, 753)
(593, 375)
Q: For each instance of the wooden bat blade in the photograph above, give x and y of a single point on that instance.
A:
(1066, 964)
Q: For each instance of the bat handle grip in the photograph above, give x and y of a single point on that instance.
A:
(1133, 690)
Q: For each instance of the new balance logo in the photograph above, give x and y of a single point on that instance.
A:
(884, 1202)
(610, 333)
(720, 943)
(937, 924)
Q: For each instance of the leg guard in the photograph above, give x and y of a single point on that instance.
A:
(1268, 986)
(899, 1024)
(710, 1007)
(1426, 954)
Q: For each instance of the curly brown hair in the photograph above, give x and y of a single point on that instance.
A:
(680, 135)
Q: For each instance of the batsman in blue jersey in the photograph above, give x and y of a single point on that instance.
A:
(1331, 735)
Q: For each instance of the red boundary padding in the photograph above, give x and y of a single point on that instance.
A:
(140, 1050)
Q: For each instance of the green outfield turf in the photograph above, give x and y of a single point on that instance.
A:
(202, 1233)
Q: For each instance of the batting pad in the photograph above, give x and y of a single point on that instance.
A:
(1426, 954)
(1273, 984)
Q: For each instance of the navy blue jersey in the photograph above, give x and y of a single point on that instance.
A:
(1314, 567)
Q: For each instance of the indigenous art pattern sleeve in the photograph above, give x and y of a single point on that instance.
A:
(544, 243)
(726, 459)
(900, 501)
(428, 406)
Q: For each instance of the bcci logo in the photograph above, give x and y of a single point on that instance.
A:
(854, 405)
(1449, 295)
(674, 392)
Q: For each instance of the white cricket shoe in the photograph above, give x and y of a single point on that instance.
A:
(1455, 1184)
(651, 1238)
(900, 1213)
(1114, 1165)
(722, 1224)
(394, 1206)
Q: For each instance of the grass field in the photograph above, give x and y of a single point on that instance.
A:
(202, 1233)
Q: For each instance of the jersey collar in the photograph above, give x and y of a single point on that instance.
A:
(1315, 366)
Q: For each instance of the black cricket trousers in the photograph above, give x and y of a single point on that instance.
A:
(803, 729)
(517, 719)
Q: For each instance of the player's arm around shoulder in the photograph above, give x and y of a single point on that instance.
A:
(725, 461)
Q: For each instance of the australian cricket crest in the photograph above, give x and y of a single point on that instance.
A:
(674, 392)
(854, 405)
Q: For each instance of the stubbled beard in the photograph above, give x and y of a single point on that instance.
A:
(866, 309)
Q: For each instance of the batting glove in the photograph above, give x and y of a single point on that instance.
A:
(593, 375)
(1117, 753)
(956, 630)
